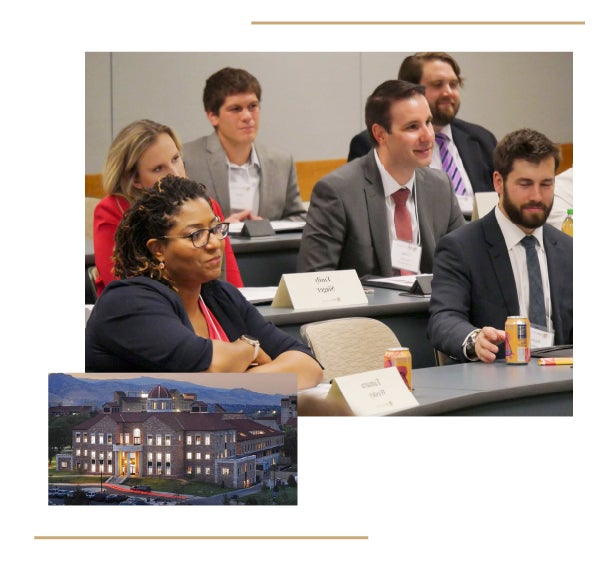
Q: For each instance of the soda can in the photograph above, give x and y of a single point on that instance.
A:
(517, 340)
(401, 358)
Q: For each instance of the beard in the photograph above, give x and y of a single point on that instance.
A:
(443, 115)
(517, 216)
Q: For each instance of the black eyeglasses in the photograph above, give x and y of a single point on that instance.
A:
(201, 237)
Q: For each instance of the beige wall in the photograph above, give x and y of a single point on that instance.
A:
(313, 102)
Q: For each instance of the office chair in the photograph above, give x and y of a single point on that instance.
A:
(91, 276)
(348, 345)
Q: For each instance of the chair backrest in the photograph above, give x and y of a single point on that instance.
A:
(483, 203)
(91, 276)
(348, 345)
(91, 203)
(94, 185)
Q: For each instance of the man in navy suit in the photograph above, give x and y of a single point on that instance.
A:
(480, 271)
(471, 145)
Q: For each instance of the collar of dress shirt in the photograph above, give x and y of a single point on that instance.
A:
(446, 130)
(253, 160)
(390, 185)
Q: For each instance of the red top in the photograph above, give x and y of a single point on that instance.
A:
(107, 216)
(217, 333)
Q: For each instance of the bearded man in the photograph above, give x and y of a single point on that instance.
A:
(509, 263)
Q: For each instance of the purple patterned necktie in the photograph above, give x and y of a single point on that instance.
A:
(449, 164)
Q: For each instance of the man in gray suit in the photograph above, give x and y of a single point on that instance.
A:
(355, 219)
(249, 180)
(482, 273)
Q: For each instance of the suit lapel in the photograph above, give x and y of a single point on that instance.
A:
(220, 171)
(466, 144)
(556, 279)
(501, 263)
(265, 182)
(375, 203)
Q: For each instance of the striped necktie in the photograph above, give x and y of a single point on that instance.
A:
(449, 164)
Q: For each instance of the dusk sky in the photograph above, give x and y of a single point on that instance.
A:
(263, 383)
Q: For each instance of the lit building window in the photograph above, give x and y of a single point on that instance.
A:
(189, 439)
(167, 440)
(159, 440)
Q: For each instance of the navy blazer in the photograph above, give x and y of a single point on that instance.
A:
(141, 325)
(473, 284)
(475, 145)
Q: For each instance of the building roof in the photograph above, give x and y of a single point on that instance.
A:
(159, 392)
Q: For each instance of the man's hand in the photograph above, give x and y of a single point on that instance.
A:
(486, 345)
(241, 216)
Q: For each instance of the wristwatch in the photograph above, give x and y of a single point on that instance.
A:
(469, 346)
(254, 342)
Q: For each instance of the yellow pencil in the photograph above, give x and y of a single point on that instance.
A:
(555, 361)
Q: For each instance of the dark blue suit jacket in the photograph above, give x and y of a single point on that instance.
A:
(473, 284)
(140, 325)
(475, 145)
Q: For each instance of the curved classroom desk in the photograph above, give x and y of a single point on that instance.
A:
(407, 316)
(262, 261)
(477, 389)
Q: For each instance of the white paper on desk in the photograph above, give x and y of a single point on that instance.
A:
(287, 225)
(376, 392)
(258, 294)
(235, 227)
(404, 281)
(278, 226)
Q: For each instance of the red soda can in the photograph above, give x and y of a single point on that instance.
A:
(401, 358)
(517, 340)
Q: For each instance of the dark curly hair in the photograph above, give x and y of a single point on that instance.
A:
(151, 217)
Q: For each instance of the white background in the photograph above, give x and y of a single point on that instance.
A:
(431, 488)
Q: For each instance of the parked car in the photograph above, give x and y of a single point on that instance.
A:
(146, 488)
(100, 497)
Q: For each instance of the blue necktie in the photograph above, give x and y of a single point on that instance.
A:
(449, 164)
(536, 302)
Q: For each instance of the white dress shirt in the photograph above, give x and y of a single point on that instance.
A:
(244, 183)
(517, 254)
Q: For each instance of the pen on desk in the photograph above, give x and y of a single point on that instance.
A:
(555, 361)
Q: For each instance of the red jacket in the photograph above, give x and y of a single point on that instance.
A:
(107, 216)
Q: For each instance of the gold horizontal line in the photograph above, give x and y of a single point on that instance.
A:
(200, 537)
(418, 23)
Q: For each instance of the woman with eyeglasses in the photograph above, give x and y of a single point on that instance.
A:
(168, 312)
(142, 152)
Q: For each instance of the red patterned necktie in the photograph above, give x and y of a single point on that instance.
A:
(402, 219)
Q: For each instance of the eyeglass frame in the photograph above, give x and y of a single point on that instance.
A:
(224, 230)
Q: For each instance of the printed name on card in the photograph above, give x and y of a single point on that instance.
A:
(376, 392)
(327, 289)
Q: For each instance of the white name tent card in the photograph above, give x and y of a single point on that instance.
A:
(376, 392)
(328, 289)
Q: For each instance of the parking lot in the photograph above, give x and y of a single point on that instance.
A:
(58, 495)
